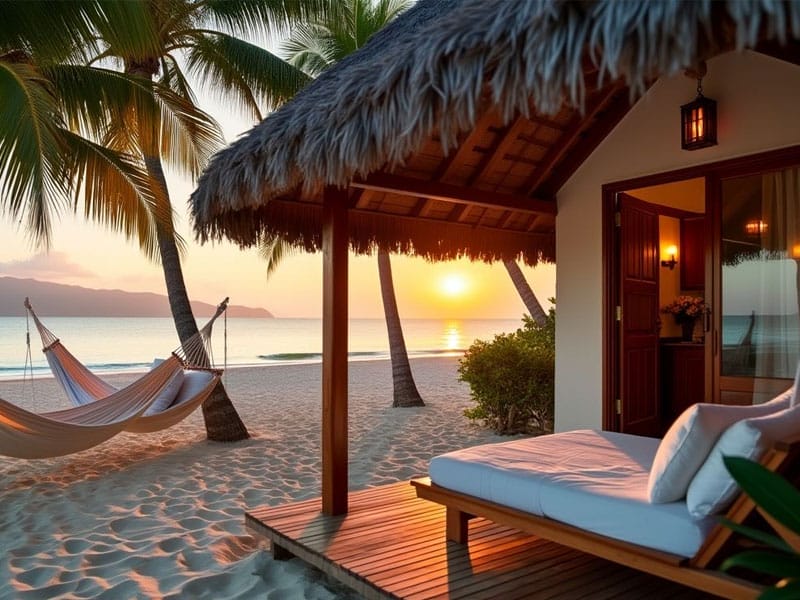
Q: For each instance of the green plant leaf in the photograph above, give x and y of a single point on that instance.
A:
(768, 539)
(788, 590)
(768, 490)
(767, 562)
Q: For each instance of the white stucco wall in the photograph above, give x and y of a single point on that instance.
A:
(758, 109)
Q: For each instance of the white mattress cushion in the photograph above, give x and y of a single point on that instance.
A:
(689, 440)
(594, 480)
(713, 488)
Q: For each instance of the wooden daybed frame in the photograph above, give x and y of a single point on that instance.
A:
(698, 572)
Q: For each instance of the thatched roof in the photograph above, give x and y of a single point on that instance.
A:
(503, 98)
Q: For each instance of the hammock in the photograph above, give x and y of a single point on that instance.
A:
(157, 400)
(82, 386)
(25, 434)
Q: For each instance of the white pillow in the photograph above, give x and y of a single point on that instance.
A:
(167, 395)
(713, 488)
(689, 440)
(793, 401)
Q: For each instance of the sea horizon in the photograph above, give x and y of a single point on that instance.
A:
(131, 344)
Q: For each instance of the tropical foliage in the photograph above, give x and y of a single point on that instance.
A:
(778, 555)
(512, 378)
(97, 100)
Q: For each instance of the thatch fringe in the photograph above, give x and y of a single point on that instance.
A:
(428, 72)
(300, 224)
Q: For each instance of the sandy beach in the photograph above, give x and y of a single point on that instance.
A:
(162, 515)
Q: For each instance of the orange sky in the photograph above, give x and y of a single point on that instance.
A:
(86, 255)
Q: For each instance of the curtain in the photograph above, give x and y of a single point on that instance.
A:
(776, 336)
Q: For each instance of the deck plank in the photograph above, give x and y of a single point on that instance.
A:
(392, 545)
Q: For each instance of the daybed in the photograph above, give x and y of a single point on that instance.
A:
(594, 490)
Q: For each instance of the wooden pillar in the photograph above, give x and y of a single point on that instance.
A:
(334, 352)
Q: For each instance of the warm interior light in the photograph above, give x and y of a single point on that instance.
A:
(671, 253)
(756, 227)
(796, 251)
(699, 122)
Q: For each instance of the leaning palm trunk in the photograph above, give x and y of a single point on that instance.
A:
(405, 390)
(525, 292)
(223, 423)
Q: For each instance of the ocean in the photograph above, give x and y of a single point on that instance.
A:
(114, 345)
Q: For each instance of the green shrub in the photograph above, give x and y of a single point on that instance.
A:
(512, 378)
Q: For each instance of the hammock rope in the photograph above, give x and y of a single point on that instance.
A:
(160, 398)
(28, 363)
(82, 386)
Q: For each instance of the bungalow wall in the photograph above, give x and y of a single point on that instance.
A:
(758, 104)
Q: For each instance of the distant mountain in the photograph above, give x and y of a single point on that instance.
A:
(58, 300)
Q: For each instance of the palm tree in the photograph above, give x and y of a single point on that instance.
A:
(526, 293)
(313, 47)
(148, 119)
(405, 390)
(48, 105)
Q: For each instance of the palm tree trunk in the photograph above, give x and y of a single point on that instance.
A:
(405, 390)
(526, 293)
(223, 423)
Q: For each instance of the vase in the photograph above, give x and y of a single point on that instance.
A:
(687, 330)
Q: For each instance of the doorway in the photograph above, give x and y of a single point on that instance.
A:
(727, 233)
(660, 249)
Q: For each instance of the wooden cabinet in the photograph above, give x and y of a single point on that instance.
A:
(682, 378)
(693, 253)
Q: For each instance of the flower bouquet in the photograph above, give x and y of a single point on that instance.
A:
(685, 310)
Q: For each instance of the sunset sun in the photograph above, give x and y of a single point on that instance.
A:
(453, 285)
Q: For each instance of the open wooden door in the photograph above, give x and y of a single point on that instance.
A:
(639, 316)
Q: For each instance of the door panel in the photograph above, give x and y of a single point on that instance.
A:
(639, 257)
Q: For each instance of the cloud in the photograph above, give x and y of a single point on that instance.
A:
(51, 267)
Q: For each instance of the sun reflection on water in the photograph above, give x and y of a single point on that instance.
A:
(453, 337)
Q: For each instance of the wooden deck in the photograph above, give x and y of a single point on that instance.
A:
(392, 545)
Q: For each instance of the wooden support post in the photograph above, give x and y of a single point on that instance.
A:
(457, 528)
(334, 352)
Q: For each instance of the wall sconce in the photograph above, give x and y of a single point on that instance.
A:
(699, 121)
(796, 252)
(672, 252)
(756, 228)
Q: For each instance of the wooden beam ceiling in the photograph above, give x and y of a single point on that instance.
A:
(503, 142)
(614, 109)
(453, 160)
(406, 186)
(580, 123)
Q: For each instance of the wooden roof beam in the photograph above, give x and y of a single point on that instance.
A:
(453, 160)
(580, 123)
(406, 186)
(497, 152)
(613, 112)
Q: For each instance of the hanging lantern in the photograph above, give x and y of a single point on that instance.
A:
(699, 122)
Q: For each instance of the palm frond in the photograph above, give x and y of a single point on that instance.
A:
(188, 135)
(33, 182)
(129, 29)
(266, 18)
(251, 75)
(173, 78)
(94, 98)
(311, 48)
(48, 29)
(116, 191)
(274, 249)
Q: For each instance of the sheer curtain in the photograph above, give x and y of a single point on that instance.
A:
(777, 334)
